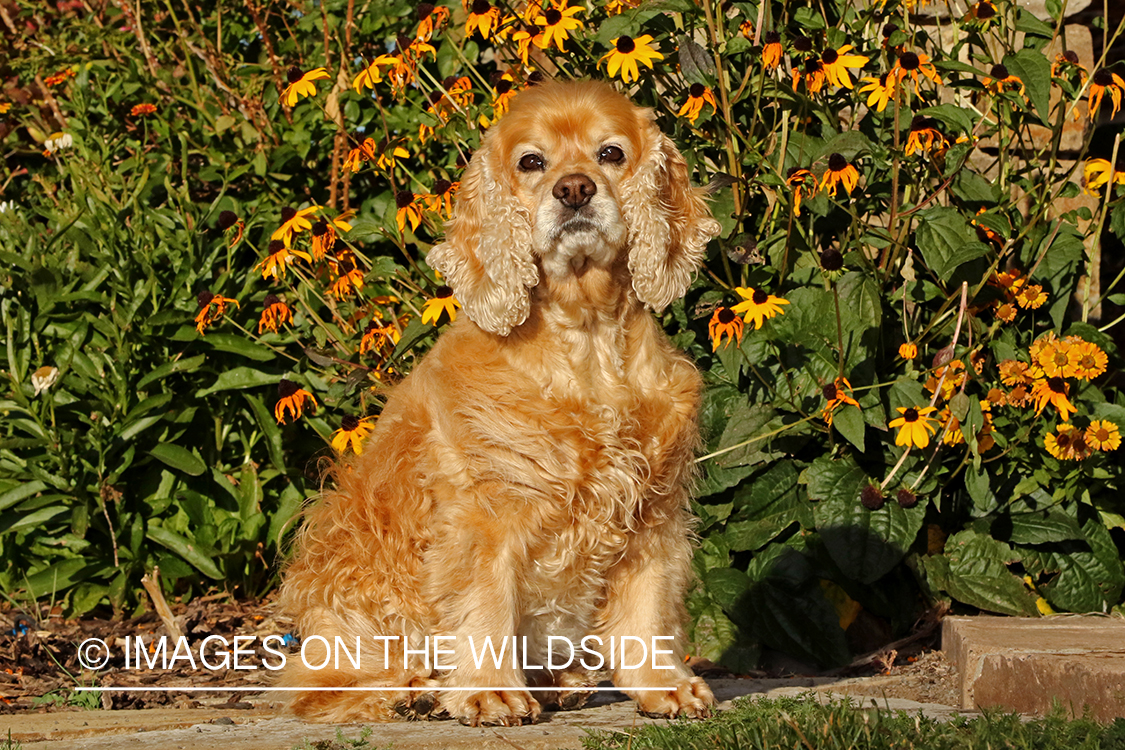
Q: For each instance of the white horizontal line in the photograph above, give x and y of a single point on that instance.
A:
(265, 689)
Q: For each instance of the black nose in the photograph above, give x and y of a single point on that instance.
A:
(574, 190)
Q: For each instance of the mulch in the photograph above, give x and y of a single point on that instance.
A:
(40, 666)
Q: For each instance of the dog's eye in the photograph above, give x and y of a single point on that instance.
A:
(611, 154)
(531, 163)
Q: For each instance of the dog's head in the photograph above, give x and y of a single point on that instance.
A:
(573, 175)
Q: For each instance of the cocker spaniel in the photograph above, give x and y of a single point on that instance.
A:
(525, 490)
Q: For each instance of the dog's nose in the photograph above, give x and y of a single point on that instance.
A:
(574, 190)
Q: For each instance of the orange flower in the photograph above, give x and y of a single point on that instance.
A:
(836, 394)
(999, 79)
(1105, 80)
(840, 172)
(1058, 359)
(1013, 372)
(375, 336)
(292, 398)
(275, 313)
(836, 63)
(279, 258)
(1053, 391)
(142, 110)
(1090, 362)
(351, 434)
(800, 180)
(1103, 435)
(908, 351)
(812, 70)
(441, 200)
(61, 77)
(211, 308)
(1031, 297)
(698, 95)
(557, 23)
(924, 135)
(771, 51)
(912, 65)
(725, 322)
(430, 19)
(348, 278)
(483, 17)
(408, 210)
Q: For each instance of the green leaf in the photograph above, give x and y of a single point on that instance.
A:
(1085, 579)
(946, 240)
(239, 377)
(57, 578)
(766, 506)
(240, 345)
(415, 331)
(956, 119)
(1029, 24)
(179, 458)
(848, 421)
(186, 549)
(20, 492)
(1041, 527)
(978, 575)
(178, 365)
(1031, 67)
(268, 424)
(747, 422)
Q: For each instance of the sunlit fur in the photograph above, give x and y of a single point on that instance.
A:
(530, 476)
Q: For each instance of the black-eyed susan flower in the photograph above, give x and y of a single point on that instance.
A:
(301, 84)
(211, 308)
(879, 91)
(293, 222)
(377, 334)
(840, 172)
(614, 7)
(811, 71)
(985, 232)
(275, 313)
(1105, 81)
(1053, 391)
(980, 16)
(351, 434)
(758, 305)
(908, 350)
(5, 107)
(292, 398)
(698, 95)
(1090, 361)
(802, 181)
(915, 65)
(625, 55)
(724, 323)
(836, 394)
(924, 135)
(1067, 63)
(364, 152)
(229, 220)
(279, 258)
(557, 23)
(1103, 435)
(388, 155)
(771, 50)
(1098, 172)
(443, 301)
(914, 426)
(832, 263)
(431, 18)
(836, 63)
(349, 278)
(484, 18)
(1031, 297)
(503, 91)
(323, 239)
(142, 110)
(1058, 442)
(373, 73)
(1000, 79)
(408, 210)
(441, 200)
(524, 37)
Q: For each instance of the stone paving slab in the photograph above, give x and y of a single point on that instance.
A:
(1025, 664)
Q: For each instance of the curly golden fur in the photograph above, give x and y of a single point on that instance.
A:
(530, 477)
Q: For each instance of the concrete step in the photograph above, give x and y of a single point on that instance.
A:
(1026, 664)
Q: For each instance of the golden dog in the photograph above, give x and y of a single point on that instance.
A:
(530, 477)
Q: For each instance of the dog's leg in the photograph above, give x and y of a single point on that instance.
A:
(645, 601)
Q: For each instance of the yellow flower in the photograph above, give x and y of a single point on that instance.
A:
(1031, 297)
(758, 305)
(924, 135)
(1006, 311)
(879, 91)
(1098, 172)
(836, 394)
(211, 308)
(836, 63)
(441, 200)
(1067, 443)
(724, 322)
(301, 84)
(841, 172)
(1105, 80)
(1103, 435)
(275, 313)
(373, 73)
(4, 107)
(408, 210)
(351, 434)
(430, 18)
(483, 17)
(442, 301)
(625, 55)
(698, 95)
(1057, 359)
(504, 90)
(349, 278)
(912, 65)
(557, 23)
(800, 180)
(375, 336)
(771, 51)
(141, 110)
(292, 222)
(915, 426)
(812, 69)
(364, 152)
(292, 398)
(1091, 361)
(908, 351)
(999, 79)
(980, 16)
(279, 258)
(1013, 372)
(1053, 391)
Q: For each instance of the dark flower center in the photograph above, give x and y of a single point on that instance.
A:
(276, 246)
(287, 388)
(537, 77)
(759, 297)
(404, 198)
(1101, 434)
(918, 122)
(831, 259)
(906, 498)
(553, 16)
(772, 37)
(813, 65)
(871, 497)
(345, 267)
(227, 219)
(837, 163)
(999, 72)
(985, 10)
(204, 298)
(829, 56)
(295, 74)
(402, 42)
(625, 45)
(910, 415)
(270, 300)
(802, 44)
(480, 7)
(449, 82)
(443, 292)
(792, 171)
(1063, 439)
(1079, 443)
(889, 29)
(503, 86)
(287, 214)
(696, 90)
(1057, 385)
(424, 11)
(441, 187)
(830, 391)
(1071, 57)
(320, 228)
(349, 423)
(726, 316)
(909, 61)
(1103, 77)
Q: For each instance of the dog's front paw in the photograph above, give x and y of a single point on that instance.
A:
(507, 708)
(691, 698)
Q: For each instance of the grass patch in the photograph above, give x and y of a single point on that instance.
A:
(805, 724)
(9, 744)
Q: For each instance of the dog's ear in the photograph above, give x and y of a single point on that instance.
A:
(669, 223)
(486, 256)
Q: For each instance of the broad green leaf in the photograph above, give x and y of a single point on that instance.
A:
(1038, 527)
(48, 583)
(268, 424)
(239, 377)
(179, 458)
(848, 421)
(186, 549)
(20, 492)
(978, 575)
(946, 240)
(956, 119)
(767, 506)
(1031, 67)
(179, 365)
